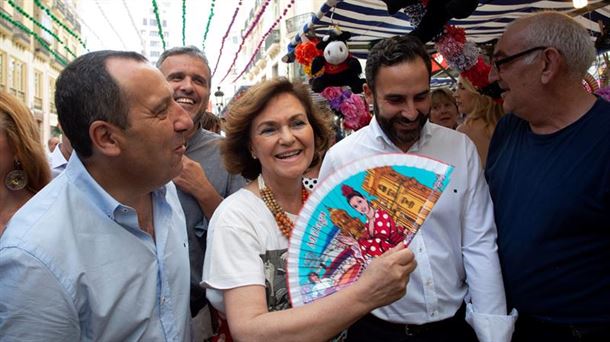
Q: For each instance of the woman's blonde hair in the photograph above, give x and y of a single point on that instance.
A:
(485, 108)
(18, 124)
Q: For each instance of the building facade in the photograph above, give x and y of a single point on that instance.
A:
(267, 62)
(34, 48)
(149, 30)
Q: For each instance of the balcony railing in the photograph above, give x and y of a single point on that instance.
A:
(273, 38)
(7, 26)
(37, 102)
(295, 23)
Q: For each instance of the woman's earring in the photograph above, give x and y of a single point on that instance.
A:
(17, 179)
(253, 155)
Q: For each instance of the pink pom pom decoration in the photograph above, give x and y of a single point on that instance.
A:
(355, 113)
(330, 93)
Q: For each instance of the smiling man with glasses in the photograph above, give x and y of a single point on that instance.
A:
(498, 62)
(548, 170)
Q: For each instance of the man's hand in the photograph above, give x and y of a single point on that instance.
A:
(385, 279)
(192, 178)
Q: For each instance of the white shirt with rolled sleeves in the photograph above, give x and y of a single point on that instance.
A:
(456, 251)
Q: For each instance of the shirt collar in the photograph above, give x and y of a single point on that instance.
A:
(80, 177)
(380, 135)
(56, 157)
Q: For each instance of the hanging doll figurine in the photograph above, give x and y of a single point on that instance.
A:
(340, 68)
(437, 14)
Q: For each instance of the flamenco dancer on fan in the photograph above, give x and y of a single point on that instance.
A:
(381, 232)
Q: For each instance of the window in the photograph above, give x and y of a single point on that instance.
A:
(144, 21)
(52, 96)
(152, 22)
(274, 70)
(2, 71)
(155, 43)
(38, 89)
(155, 54)
(17, 79)
(153, 33)
(45, 20)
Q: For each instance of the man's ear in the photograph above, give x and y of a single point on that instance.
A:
(368, 93)
(105, 137)
(552, 65)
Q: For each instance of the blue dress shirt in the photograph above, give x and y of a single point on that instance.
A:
(74, 265)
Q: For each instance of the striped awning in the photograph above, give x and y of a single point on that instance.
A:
(368, 20)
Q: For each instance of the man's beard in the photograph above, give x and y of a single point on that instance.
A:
(402, 139)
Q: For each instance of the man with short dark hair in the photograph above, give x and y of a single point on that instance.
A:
(548, 170)
(101, 253)
(457, 279)
(204, 182)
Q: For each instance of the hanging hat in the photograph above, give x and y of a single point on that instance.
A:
(478, 76)
(464, 56)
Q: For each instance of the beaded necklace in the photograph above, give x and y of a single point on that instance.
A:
(282, 220)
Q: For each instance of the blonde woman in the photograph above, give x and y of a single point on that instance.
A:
(24, 169)
(482, 114)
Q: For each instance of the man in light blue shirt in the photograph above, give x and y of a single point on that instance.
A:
(58, 159)
(101, 253)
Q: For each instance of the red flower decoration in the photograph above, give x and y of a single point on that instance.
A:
(478, 75)
(306, 52)
(455, 33)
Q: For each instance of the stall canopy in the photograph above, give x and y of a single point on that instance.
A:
(368, 20)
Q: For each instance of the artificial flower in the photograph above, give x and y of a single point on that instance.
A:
(354, 112)
(478, 75)
(306, 52)
(331, 93)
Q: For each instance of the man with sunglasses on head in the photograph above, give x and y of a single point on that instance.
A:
(548, 170)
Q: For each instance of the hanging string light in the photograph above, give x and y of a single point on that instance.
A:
(91, 31)
(224, 38)
(59, 22)
(243, 40)
(33, 20)
(260, 43)
(101, 9)
(156, 10)
(183, 22)
(207, 26)
(42, 42)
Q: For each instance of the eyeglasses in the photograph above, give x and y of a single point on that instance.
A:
(498, 63)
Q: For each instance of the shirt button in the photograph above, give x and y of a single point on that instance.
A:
(162, 300)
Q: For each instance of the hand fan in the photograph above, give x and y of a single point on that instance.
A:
(356, 214)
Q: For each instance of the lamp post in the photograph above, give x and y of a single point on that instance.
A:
(219, 95)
